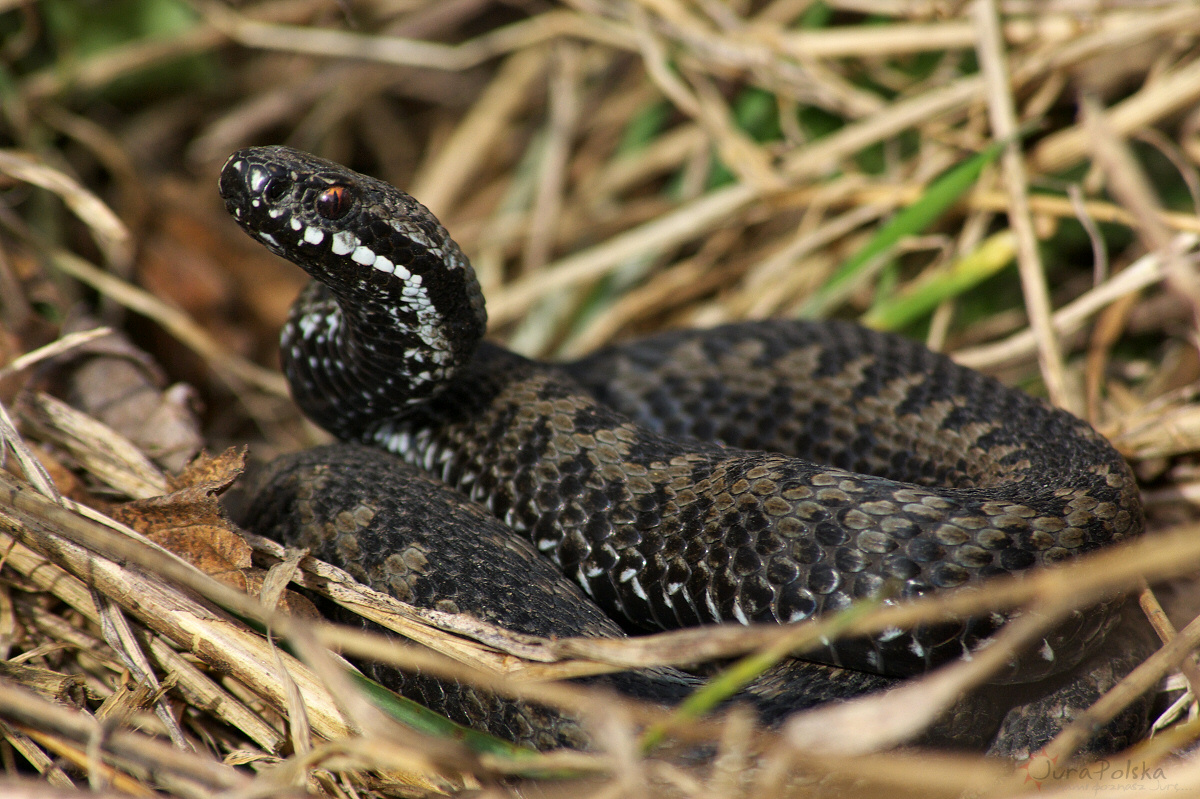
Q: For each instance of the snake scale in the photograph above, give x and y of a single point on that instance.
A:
(758, 472)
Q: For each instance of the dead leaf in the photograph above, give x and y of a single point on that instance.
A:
(65, 480)
(213, 473)
(190, 521)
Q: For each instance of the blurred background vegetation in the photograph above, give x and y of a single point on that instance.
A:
(1014, 182)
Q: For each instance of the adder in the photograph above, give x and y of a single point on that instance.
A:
(759, 472)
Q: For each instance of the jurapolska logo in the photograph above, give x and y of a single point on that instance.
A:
(1041, 768)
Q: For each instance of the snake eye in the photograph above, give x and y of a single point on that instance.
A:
(276, 189)
(334, 202)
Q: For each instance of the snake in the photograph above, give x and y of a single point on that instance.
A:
(770, 471)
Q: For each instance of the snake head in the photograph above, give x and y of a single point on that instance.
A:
(406, 296)
(356, 234)
(292, 202)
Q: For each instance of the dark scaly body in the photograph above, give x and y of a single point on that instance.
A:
(354, 506)
(896, 464)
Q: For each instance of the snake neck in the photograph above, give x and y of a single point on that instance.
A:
(354, 359)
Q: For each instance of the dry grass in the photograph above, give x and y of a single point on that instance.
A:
(611, 168)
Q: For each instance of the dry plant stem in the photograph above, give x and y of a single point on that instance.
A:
(1125, 178)
(573, 699)
(1131, 186)
(994, 65)
(108, 150)
(110, 232)
(246, 120)
(30, 465)
(236, 369)
(422, 625)
(101, 775)
(566, 85)
(377, 752)
(1065, 208)
(1145, 272)
(682, 281)
(791, 272)
(1101, 268)
(113, 63)
(160, 605)
(658, 70)
(53, 349)
(925, 774)
(1106, 333)
(762, 44)
(415, 52)
(1188, 173)
(33, 753)
(706, 213)
(118, 634)
(882, 721)
(914, 37)
(1139, 681)
(702, 102)
(440, 181)
(1123, 32)
(201, 692)
(665, 154)
(1165, 95)
(29, 710)
(1171, 738)
(365, 716)
(1167, 633)
(299, 731)
(870, 202)
(720, 207)
(734, 757)
(111, 457)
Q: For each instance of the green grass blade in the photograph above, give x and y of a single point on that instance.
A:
(940, 195)
(744, 671)
(424, 720)
(921, 297)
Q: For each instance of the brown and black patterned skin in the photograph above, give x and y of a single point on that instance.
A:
(641, 471)
(354, 506)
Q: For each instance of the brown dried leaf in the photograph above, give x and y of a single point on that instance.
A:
(189, 520)
(213, 473)
(65, 480)
(289, 602)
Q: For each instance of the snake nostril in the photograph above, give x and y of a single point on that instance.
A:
(277, 188)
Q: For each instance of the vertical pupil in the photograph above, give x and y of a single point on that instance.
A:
(334, 202)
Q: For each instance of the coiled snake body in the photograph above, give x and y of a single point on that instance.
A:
(767, 471)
